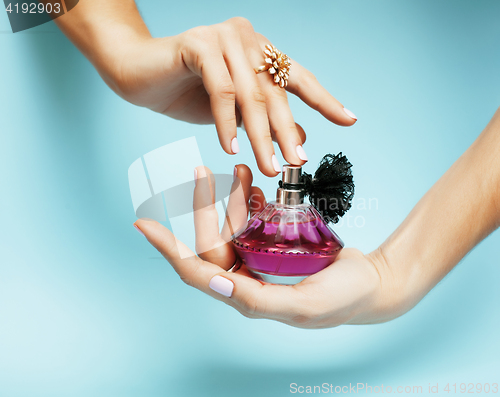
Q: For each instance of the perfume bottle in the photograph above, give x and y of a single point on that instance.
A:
(290, 239)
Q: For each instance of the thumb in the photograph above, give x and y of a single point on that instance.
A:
(255, 299)
(191, 269)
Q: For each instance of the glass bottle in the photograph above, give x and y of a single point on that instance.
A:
(289, 239)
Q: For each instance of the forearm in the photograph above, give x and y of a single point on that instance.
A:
(102, 30)
(460, 210)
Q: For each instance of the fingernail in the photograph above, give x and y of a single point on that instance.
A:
(235, 174)
(235, 148)
(276, 165)
(301, 153)
(139, 230)
(195, 176)
(350, 114)
(221, 285)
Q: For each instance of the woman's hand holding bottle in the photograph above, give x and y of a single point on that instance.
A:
(347, 292)
(460, 210)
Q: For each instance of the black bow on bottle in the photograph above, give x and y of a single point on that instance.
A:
(331, 190)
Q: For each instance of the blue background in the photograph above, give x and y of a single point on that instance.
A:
(89, 308)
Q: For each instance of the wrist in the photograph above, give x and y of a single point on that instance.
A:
(144, 71)
(401, 285)
(116, 61)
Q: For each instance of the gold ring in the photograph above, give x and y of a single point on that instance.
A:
(277, 63)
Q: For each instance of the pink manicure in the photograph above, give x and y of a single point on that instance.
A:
(235, 147)
(139, 230)
(301, 153)
(350, 114)
(235, 174)
(221, 285)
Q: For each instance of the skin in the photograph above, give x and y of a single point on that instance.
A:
(460, 210)
(204, 75)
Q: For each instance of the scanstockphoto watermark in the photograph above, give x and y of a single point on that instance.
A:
(353, 388)
(354, 218)
(359, 206)
(365, 388)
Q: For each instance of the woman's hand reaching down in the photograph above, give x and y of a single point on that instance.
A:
(204, 75)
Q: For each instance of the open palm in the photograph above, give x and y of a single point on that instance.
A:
(348, 291)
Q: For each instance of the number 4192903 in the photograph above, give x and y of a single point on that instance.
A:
(471, 388)
(34, 8)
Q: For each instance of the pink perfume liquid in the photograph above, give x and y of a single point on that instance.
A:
(284, 244)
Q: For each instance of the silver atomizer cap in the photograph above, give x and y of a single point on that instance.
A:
(291, 191)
